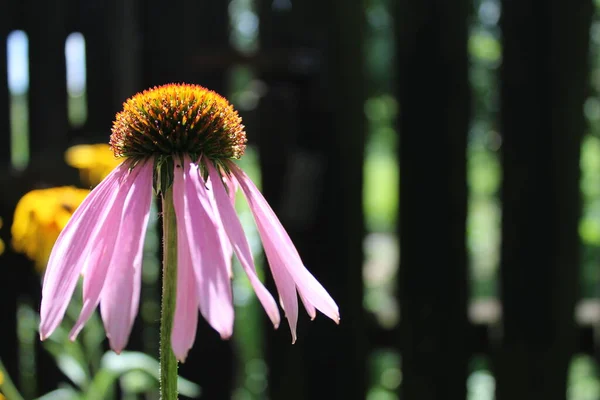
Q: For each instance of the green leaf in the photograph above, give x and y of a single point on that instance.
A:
(137, 382)
(69, 359)
(70, 356)
(101, 385)
(61, 394)
(92, 337)
(71, 368)
(114, 366)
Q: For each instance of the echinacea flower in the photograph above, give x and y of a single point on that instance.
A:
(39, 218)
(94, 161)
(180, 138)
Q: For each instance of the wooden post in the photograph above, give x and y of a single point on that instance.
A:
(311, 139)
(434, 101)
(544, 79)
(5, 141)
(46, 26)
(173, 37)
(126, 60)
(8, 296)
(43, 24)
(99, 25)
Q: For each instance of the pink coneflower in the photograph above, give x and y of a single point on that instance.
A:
(178, 141)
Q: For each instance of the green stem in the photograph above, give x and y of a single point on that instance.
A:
(168, 362)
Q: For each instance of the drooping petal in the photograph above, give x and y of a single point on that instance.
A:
(275, 237)
(223, 238)
(235, 232)
(310, 309)
(71, 250)
(227, 249)
(185, 321)
(186, 310)
(197, 216)
(285, 286)
(121, 293)
(96, 265)
(232, 187)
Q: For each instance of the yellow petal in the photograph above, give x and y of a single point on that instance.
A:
(39, 218)
(94, 161)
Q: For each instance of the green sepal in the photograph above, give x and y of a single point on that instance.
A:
(164, 168)
(163, 173)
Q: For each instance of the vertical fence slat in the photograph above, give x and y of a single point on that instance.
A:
(336, 356)
(98, 25)
(4, 97)
(276, 109)
(8, 344)
(544, 78)
(433, 123)
(173, 38)
(46, 26)
(21, 282)
(207, 39)
(311, 139)
(127, 64)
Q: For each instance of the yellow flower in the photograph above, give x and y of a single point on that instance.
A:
(1, 381)
(1, 251)
(39, 217)
(94, 161)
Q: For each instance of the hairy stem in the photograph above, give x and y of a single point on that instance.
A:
(168, 362)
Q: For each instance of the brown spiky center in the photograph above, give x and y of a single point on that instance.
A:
(178, 119)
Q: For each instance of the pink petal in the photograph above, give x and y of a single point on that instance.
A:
(232, 187)
(277, 241)
(310, 309)
(186, 309)
(223, 238)
(235, 232)
(285, 286)
(196, 215)
(226, 247)
(71, 250)
(185, 321)
(283, 280)
(227, 250)
(97, 263)
(121, 293)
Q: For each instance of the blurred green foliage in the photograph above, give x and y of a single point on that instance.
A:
(91, 373)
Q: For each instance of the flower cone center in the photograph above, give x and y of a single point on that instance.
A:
(178, 119)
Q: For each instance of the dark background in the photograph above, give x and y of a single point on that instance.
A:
(436, 163)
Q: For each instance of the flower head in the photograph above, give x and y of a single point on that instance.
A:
(181, 137)
(39, 218)
(178, 119)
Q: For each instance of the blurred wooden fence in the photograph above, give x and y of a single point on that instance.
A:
(310, 131)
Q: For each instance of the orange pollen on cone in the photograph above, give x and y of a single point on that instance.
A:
(178, 119)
